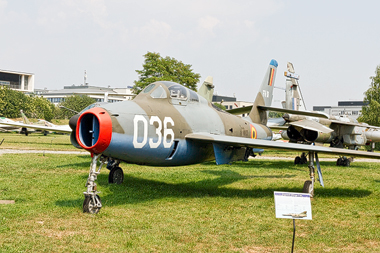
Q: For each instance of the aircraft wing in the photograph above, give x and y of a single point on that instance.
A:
(247, 109)
(338, 122)
(60, 128)
(311, 125)
(256, 143)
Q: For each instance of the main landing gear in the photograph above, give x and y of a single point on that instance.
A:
(308, 186)
(92, 203)
(344, 161)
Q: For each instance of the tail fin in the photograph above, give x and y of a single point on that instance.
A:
(207, 89)
(293, 96)
(265, 95)
(24, 118)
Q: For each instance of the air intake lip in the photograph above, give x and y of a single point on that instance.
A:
(94, 130)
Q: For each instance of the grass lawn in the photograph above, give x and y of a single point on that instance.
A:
(37, 141)
(199, 208)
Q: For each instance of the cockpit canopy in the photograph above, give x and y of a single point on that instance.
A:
(174, 91)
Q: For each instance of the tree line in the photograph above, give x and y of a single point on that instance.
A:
(12, 101)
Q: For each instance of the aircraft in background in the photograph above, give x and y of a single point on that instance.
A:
(170, 125)
(338, 131)
(5, 128)
(207, 89)
(40, 125)
(306, 127)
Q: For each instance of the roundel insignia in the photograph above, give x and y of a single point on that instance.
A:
(253, 132)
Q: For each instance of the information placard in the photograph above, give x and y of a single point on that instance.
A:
(292, 205)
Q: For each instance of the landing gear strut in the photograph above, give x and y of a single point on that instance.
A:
(308, 186)
(92, 203)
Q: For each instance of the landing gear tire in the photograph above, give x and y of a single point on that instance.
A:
(116, 176)
(344, 161)
(90, 206)
(303, 159)
(308, 188)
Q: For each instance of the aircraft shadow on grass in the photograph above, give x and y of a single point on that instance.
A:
(136, 190)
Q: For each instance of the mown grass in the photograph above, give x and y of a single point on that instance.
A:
(199, 208)
(37, 141)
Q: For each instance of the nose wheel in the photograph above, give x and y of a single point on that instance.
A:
(92, 204)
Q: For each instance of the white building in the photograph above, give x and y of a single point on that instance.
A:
(20, 81)
(100, 94)
(352, 109)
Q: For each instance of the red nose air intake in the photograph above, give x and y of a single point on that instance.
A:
(94, 130)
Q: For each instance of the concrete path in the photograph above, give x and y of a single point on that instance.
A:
(23, 151)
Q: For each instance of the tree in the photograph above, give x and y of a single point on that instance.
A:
(219, 105)
(76, 103)
(157, 68)
(371, 113)
(12, 101)
(275, 114)
(41, 108)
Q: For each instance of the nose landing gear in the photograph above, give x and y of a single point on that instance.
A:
(92, 203)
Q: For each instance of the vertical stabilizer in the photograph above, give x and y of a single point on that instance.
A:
(293, 95)
(207, 89)
(24, 118)
(265, 95)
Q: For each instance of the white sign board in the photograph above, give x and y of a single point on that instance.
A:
(292, 205)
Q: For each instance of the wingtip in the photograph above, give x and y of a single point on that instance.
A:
(274, 63)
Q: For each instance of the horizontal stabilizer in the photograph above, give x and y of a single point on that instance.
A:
(240, 110)
(305, 113)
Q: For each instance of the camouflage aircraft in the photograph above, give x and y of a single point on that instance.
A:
(170, 125)
(338, 131)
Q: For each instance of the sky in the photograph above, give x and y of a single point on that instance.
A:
(333, 45)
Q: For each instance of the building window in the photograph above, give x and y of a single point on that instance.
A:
(26, 79)
(7, 83)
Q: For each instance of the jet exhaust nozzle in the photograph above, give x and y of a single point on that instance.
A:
(94, 130)
(307, 135)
